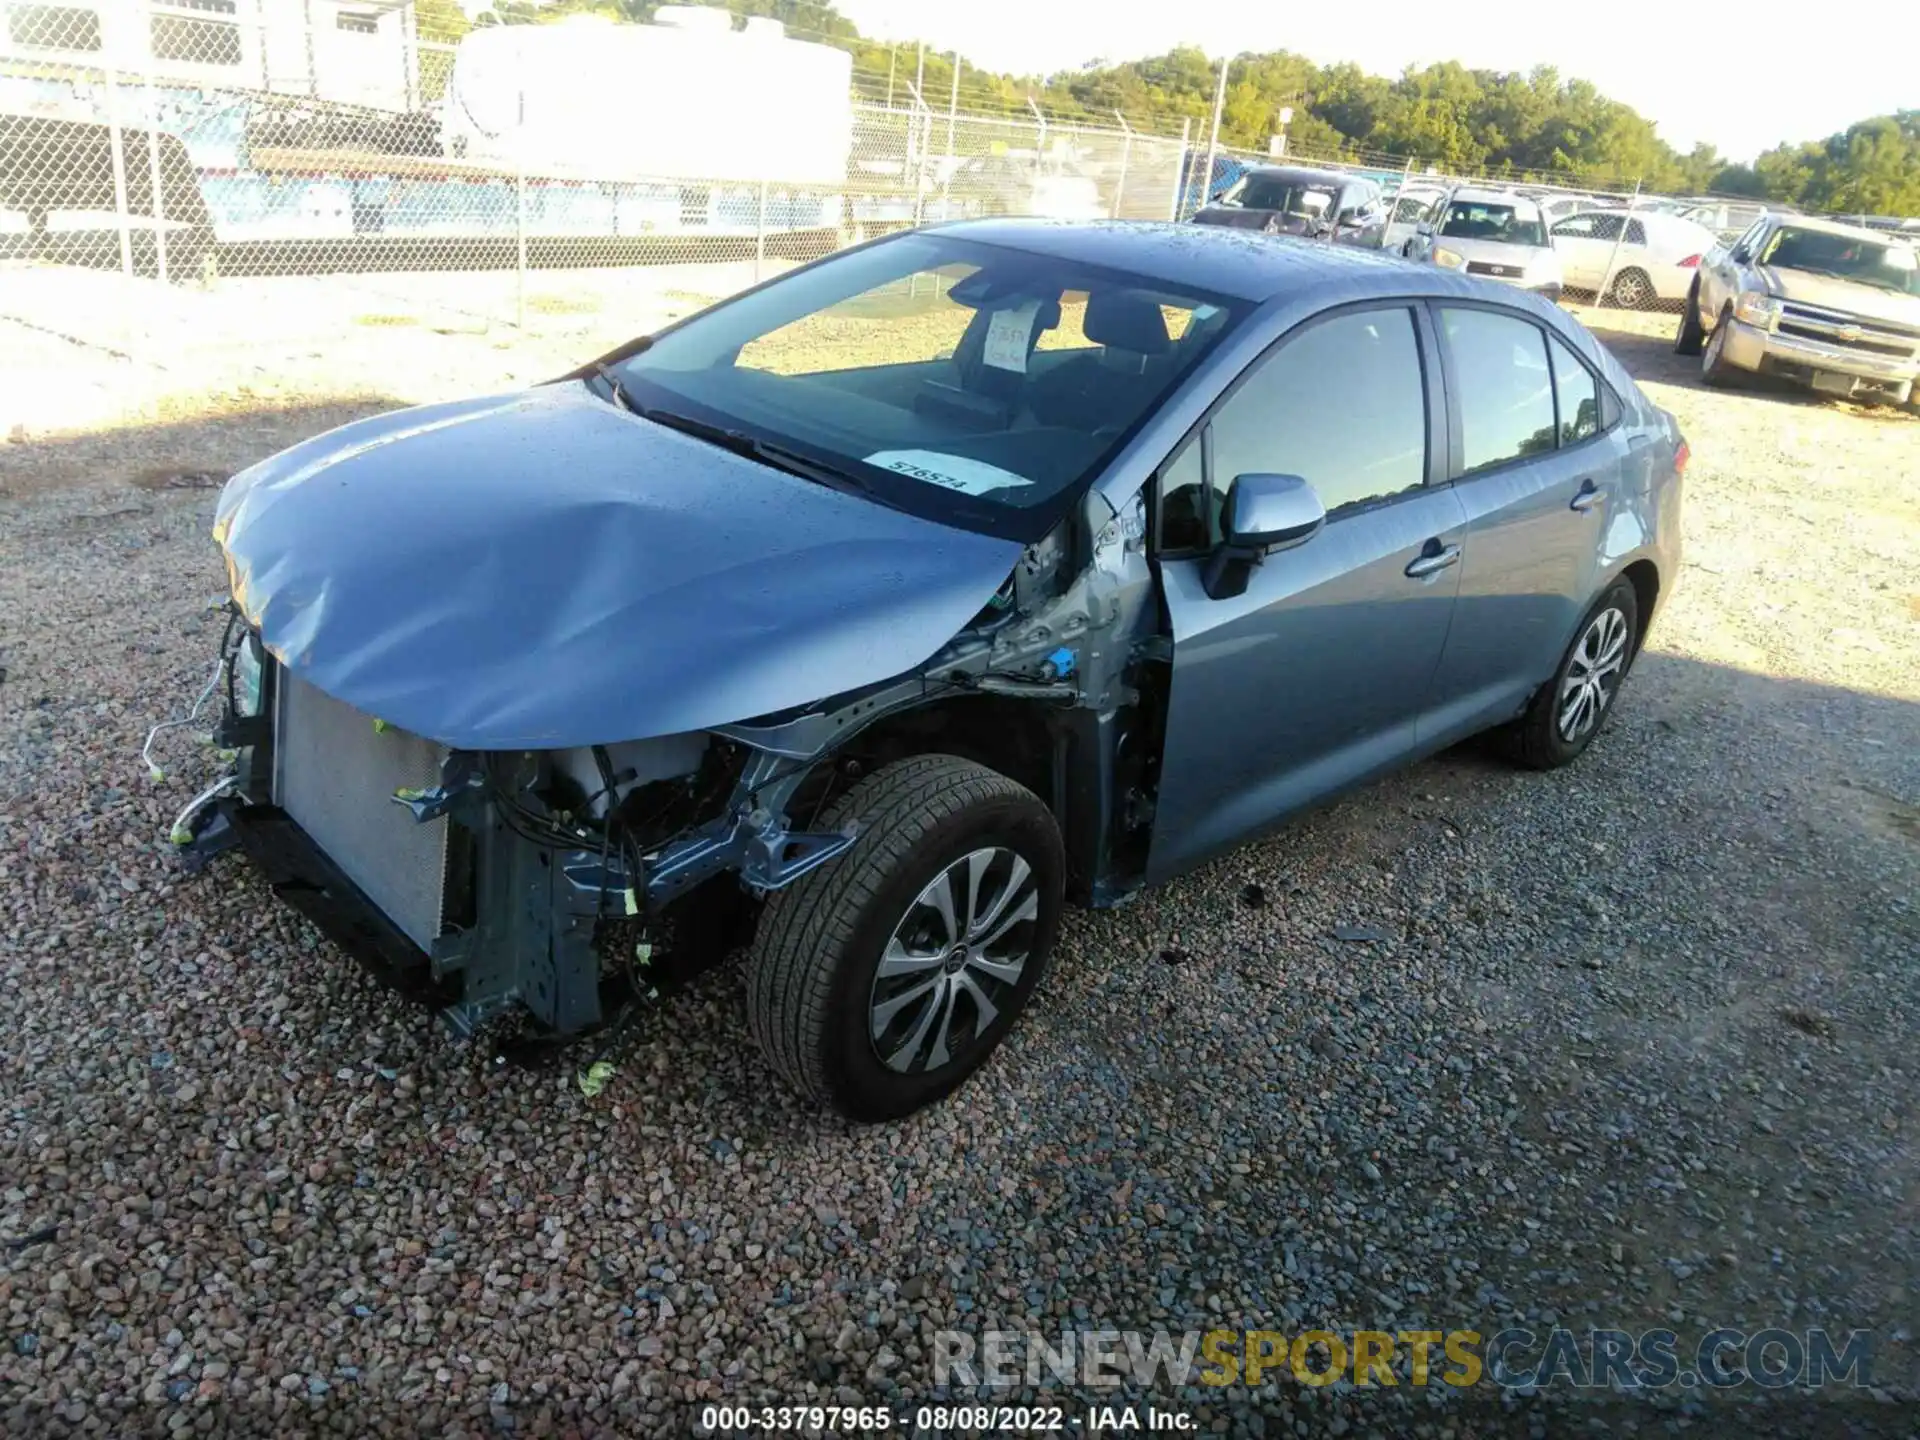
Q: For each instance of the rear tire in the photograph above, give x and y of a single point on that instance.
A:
(878, 1041)
(1692, 335)
(1568, 711)
(1632, 290)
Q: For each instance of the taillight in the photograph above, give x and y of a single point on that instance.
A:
(1681, 455)
(1689, 262)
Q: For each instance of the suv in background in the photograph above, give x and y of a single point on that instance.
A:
(1834, 307)
(1495, 234)
(1293, 200)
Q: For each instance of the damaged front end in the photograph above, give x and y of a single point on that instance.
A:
(423, 765)
(484, 881)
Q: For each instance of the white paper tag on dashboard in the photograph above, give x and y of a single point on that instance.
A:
(949, 472)
(1009, 332)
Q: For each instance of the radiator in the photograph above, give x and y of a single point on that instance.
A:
(335, 774)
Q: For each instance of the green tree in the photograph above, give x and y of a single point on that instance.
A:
(1446, 115)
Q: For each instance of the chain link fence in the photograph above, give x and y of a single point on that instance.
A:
(200, 175)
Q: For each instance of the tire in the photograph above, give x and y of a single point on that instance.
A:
(815, 989)
(1691, 336)
(1714, 366)
(1632, 290)
(1543, 738)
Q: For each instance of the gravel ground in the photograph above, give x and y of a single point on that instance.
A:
(1627, 1045)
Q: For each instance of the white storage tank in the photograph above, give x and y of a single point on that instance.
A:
(688, 99)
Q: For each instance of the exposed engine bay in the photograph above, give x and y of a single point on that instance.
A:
(489, 880)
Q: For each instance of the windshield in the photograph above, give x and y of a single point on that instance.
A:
(1848, 257)
(973, 384)
(1476, 220)
(1276, 192)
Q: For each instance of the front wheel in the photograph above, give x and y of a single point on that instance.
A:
(882, 981)
(1568, 711)
(1715, 368)
(1691, 335)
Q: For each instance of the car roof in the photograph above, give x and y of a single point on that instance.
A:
(1267, 269)
(1839, 227)
(1656, 221)
(1242, 264)
(1304, 172)
(1486, 194)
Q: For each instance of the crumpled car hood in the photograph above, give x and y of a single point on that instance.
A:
(544, 570)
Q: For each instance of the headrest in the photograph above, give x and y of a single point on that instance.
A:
(1126, 320)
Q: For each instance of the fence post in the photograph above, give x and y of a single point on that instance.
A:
(520, 207)
(1213, 136)
(760, 236)
(118, 150)
(1180, 169)
(1613, 256)
(157, 206)
(953, 109)
(1126, 153)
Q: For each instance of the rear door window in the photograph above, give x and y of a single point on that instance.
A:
(1506, 393)
(1576, 395)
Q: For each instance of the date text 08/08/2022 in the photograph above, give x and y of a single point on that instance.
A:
(1093, 1420)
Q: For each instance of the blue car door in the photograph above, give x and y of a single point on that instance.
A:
(1537, 466)
(1316, 676)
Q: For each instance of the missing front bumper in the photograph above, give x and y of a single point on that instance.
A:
(299, 873)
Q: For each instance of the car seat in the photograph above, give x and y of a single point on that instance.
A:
(1090, 391)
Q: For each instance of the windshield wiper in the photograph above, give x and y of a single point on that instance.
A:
(615, 388)
(767, 452)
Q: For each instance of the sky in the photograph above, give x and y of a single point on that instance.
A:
(1723, 81)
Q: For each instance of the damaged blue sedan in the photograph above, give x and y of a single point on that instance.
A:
(870, 616)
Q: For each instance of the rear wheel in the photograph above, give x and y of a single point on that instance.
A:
(880, 982)
(1691, 335)
(1568, 711)
(1631, 290)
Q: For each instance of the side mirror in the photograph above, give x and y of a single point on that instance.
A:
(1423, 230)
(1263, 513)
(1739, 255)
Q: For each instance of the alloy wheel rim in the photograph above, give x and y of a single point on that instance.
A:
(1631, 290)
(1592, 676)
(953, 961)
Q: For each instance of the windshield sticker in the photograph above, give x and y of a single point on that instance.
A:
(949, 472)
(1009, 332)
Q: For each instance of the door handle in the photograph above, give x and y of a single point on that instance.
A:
(1432, 559)
(1588, 497)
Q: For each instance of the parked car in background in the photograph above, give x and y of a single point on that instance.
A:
(1294, 200)
(1496, 234)
(887, 630)
(1834, 307)
(1637, 259)
(1557, 205)
(1728, 219)
(1407, 209)
(1197, 189)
